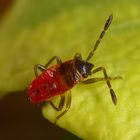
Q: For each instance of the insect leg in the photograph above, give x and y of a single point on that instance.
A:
(68, 104)
(40, 67)
(61, 103)
(58, 60)
(112, 93)
(77, 56)
(94, 80)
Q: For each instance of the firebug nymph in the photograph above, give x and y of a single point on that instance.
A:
(59, 78)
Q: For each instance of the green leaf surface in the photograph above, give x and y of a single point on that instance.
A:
(33, 31)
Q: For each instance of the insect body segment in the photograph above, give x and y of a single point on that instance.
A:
(53, 81)
(44, 86)
(62, 77)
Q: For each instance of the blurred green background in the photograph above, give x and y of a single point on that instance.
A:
(33, 31)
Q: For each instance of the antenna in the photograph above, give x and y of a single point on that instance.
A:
(107, 24)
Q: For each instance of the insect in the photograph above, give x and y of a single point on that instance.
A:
(62, 77)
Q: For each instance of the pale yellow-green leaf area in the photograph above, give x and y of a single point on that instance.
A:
(34, 31)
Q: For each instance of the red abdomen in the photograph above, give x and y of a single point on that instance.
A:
(54, 81)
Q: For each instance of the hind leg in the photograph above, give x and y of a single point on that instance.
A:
(43, 68)
(61, 103)
(68, 105)
(112, 93)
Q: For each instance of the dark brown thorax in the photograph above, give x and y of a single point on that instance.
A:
(70, 73)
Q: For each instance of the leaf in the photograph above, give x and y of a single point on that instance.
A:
(34, 31)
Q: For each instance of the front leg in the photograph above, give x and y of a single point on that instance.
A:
(94, 80)
(112, 93)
